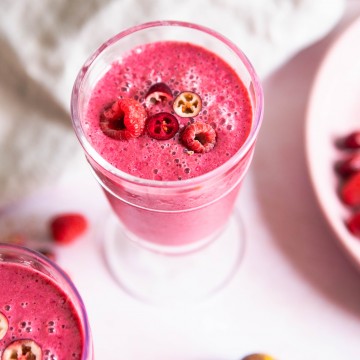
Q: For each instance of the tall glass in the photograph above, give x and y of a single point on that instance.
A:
(32, 275)
(175, 239)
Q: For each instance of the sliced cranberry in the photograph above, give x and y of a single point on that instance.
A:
(187, 104)
(158, 92)
(22, 349)
(123, 119)
(199, 137)
(162, 126)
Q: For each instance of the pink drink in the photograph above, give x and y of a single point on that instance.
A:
(161, 193)
(38, 308)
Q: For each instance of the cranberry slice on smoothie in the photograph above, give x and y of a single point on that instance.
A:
(187, 104)
(162, 126)
(157, 93)
(23, 349)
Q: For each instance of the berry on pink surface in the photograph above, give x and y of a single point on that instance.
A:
(353, 224)
(350, 141)
(350, 190)
(349, 165)
(124, 119)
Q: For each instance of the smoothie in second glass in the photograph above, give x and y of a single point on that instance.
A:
(166, 191)
(38, 319)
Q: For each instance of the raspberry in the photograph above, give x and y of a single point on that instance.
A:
(162, 126)
(353, 224)
(66, 227)
(199, 137)
(350, 190)
(123, 119)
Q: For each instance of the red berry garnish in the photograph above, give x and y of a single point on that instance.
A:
(123, 119)
(350, 141)
(349, 165)
(158, 92)
(187, 104)
(350, 190)
(199, 137)
(162, 126)
(67, 227)
(353, 224)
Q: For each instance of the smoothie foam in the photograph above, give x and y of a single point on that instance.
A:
(183, 67)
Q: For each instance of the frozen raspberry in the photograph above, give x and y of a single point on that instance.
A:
(353, 224)
(4, 325)
(349, 165)
(187, 104)
(162, 126)
(350, 190)
(158, 92)
(199, 137)
(23, 349)
(67, 227)
(123, 119)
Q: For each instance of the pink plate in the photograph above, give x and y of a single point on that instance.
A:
(334, 111)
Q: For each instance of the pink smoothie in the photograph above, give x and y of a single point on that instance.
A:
(195, 212)
(184, 67)
(37, 309)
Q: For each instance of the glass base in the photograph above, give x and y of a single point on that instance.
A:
(157, 276)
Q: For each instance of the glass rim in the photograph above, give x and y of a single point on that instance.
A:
(246, 146)
(35, 255)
